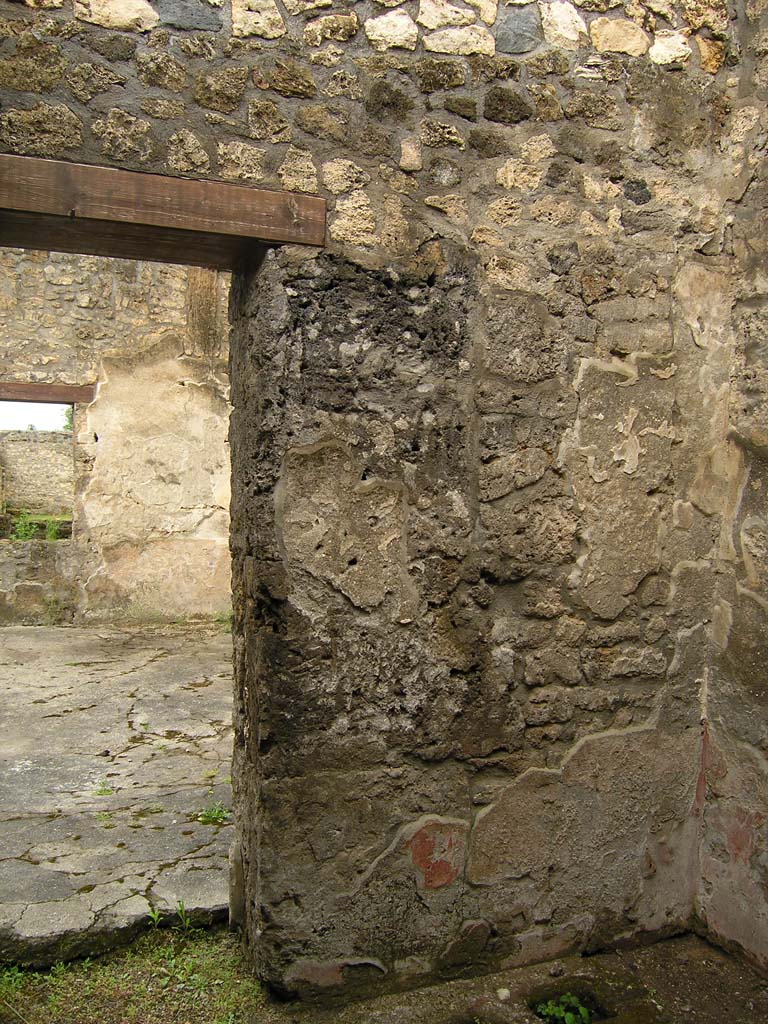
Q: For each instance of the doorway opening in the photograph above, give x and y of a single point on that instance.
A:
(126, 742)
(37, 470)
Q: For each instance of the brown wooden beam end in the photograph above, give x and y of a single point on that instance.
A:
(81, 191)
(53, 394)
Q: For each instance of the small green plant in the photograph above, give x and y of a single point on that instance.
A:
(155, 916)
(185, 921)
(11, 980)
(51, 529)
(567, 1008)
(24, 528)
(214, 814)
(105, 819)
(103, 788)
(224, 621)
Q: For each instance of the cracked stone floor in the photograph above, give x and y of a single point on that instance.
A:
(113, 740)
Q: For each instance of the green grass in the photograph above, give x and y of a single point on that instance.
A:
(215, 814)
(167, 976)
(224, 621)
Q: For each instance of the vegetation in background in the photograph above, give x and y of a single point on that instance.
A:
(69, 418)
(26, 525)
(169, 975)
(224, 621)
(23, 527)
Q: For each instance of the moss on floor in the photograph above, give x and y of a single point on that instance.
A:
(167, 977)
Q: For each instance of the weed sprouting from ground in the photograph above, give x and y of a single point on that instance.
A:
(224, 621)
(567, 1009)
(215, 814)
(168, 975)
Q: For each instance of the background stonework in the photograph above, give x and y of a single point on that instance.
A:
(497, 456)
(151, 453)
(37, 470)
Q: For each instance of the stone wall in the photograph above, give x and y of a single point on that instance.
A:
(493, 531)
(151, 452)
(732, 785)
(37, 469)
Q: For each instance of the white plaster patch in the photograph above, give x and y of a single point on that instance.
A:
(257, 18)
(669, 48)
(563, 25)
(462, 41)
(125, 15)
(439, 14)
(390, 31)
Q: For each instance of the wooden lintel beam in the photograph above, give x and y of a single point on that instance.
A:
(53, 394)
(56, 188)
(126, 241)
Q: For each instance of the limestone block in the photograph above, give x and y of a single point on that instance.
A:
(618, 35)
(440, 14)
(563, 25)
(711, 54)
(354, 220)
(162, 70)
(266, 122)
(125, 15)
(302, 6)
(669, 48)
(410, 155)
(291, 78)
(239, 161)
(515, 173)
(343, 176)
(505, 212)
(331, 26)
(186, 153)
(437, 133)
(35, 67)
(453, 206)
(486, 9)
(712, 14)
(298, 172)
(257, 18)
(221, 89)
(88, 80)
(390, 31)
(463, 42)
(161, 108)
(315, 119)
(506, 106)
(125, 136)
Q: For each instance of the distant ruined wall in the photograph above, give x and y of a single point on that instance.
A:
(38, 470)
(497, 531)
(151, 452)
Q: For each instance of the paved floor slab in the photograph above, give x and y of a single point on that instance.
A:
(114, 743)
